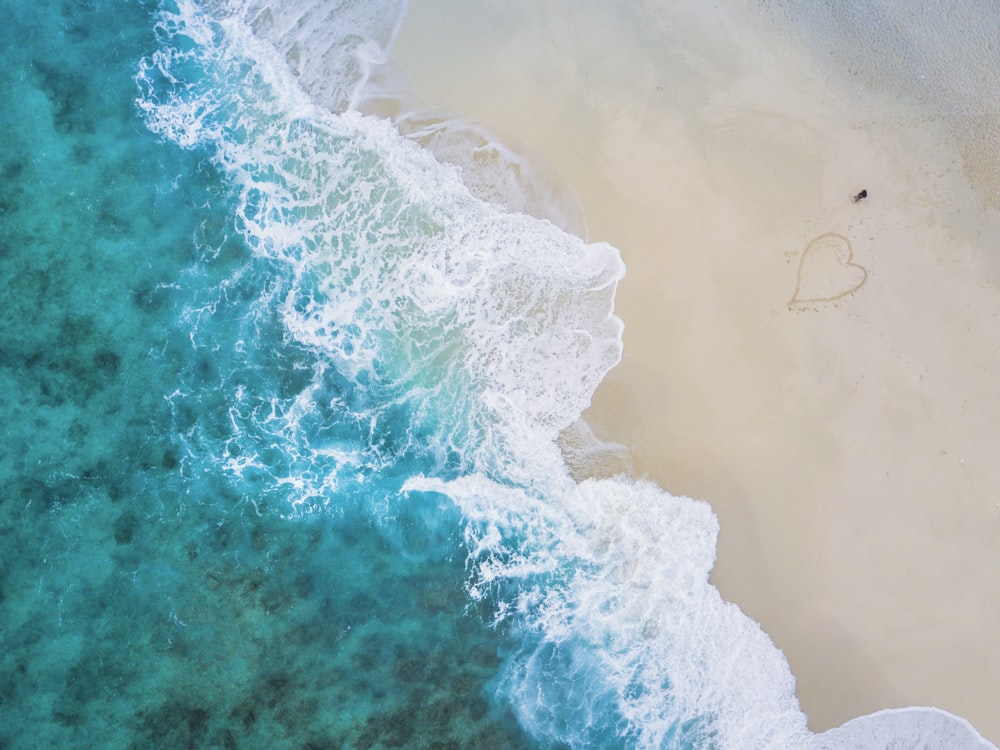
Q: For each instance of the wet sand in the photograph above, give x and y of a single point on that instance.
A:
(823, 372)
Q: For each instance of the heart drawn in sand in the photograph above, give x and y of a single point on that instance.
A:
(827, 272)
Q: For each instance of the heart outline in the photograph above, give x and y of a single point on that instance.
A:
(813, 246)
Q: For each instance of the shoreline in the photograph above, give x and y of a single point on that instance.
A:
(842, 431)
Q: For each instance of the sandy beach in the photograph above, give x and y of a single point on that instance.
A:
(822, 371)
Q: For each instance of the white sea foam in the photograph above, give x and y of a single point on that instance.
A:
(353, 37)
(904, 729)
(493, 329)
(616, 571)
(496, 324)
(329, 46)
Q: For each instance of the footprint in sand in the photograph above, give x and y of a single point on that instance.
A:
(827, 272)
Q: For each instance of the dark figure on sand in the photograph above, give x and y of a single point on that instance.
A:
(861, 196)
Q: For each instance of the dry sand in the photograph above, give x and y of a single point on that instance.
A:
(823, 372)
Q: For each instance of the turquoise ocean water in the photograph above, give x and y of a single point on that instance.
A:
(280, 407)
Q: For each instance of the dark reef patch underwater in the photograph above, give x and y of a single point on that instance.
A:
(144, 600)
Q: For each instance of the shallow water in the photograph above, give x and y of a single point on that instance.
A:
(283, 399)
